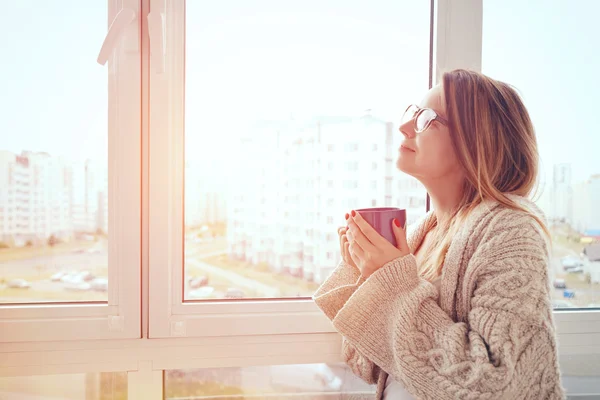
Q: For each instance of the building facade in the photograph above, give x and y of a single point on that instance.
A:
(43, 196)
(298, 181)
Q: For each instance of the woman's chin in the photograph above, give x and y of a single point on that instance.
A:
(402, 165)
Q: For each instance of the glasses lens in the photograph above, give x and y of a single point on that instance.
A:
(424, 120)
(409, 114)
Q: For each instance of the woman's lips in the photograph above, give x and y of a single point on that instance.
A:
(404, 148)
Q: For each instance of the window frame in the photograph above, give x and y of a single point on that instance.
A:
(170, 316)
(119, 317)
(455, 42)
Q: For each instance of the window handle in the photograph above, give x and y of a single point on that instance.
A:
(115, 32)
(156, 32)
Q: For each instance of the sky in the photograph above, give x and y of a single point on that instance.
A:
(259, 60)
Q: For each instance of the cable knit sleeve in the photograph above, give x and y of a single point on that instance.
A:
(505, 350)
(337, 289)
(331, 297)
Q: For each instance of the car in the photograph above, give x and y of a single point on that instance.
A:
(560, 284)
(69, 277)
(85, 276)
(203, 292)
(99, 284)
(196, 282)
(19, 284)
(569, 294)
(575, 270)
(569, 262)
(78, 286)
(562, 304)
(57, 276)
(234, 293)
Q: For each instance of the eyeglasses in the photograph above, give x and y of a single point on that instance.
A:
(423, 117)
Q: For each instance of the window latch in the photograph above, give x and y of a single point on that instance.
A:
(125, 17)
(156, 32)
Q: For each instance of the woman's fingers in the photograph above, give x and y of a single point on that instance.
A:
(347, 257)
(355, 252)
(354, 234)
(342, 237)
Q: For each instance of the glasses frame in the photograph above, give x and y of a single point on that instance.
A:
(418, 112)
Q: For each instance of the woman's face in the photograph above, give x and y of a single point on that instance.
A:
(429, 155)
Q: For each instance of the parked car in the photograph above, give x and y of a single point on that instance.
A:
(198, 281)
(569, 262)
(562, 304)
(86, 276)
(234, 293)
(69, 277)
(99, 284)
(575, 270)
(58, 276)
(19, 284)
(78, 286)
(560, 284)
(203, 292)
(569, 294)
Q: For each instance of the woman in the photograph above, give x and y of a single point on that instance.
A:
(461, 308)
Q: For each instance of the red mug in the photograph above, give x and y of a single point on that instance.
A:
(381, 219)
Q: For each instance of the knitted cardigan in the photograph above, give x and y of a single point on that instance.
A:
(489, 335)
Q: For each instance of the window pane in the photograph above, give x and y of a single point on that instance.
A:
(547, 54)
(53, 155)
(90, 386)
(292, 115)
(301, 381)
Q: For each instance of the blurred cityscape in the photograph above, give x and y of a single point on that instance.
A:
(42, 196)
(263, 227)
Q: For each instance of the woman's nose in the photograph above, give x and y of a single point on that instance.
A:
(407, 129)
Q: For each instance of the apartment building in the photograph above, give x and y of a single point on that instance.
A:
(205, 193)
(562, 193)
(33, 197)
(42, 195)
(300, 179)
(586, 214)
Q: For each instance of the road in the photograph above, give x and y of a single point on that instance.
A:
(236, 280)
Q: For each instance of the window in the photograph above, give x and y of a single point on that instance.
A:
(102, 385)
(277, 381)
(74, 151)
(570, 176)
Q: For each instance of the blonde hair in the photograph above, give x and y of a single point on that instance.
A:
(495, 143)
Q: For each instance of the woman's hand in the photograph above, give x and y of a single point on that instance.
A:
(368, 249)
(344, 246)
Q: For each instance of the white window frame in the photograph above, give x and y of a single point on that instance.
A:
(169, 316)
(457, 43)
(119, 317)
